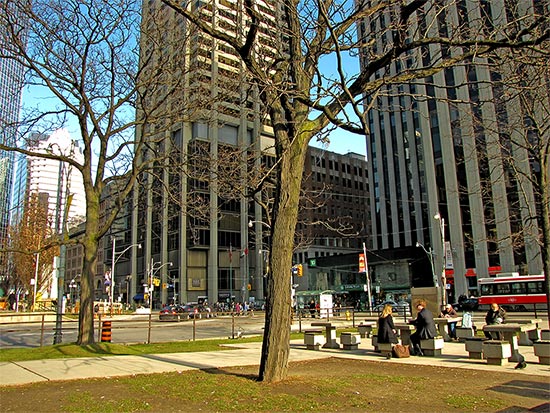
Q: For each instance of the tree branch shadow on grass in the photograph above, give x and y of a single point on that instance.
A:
(200, 366)
(525, 388)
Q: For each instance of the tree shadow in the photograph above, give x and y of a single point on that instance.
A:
(525, 388)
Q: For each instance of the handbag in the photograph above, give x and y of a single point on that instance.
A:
(399, 351)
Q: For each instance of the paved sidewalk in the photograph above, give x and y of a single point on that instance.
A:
(25, 372)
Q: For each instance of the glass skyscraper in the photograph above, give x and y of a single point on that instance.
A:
(11, 82)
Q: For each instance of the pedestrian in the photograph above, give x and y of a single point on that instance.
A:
(494, 316)
(386, 328)
(312, 308)
(425, 327)
(447, 311)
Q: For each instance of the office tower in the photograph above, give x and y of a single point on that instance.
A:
(213, 126)
(51, 179)
(334, 211)
(437, 171)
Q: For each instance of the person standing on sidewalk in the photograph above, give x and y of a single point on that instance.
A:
(425, 327)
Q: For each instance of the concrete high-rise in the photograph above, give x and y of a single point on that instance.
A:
(216, 138)
(437, 169)
(51, 180)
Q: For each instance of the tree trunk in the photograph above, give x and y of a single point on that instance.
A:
(276, 342)
(90, 245)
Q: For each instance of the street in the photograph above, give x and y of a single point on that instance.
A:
(135, 328)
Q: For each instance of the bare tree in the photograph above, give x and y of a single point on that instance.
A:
(30, 240)
(303, 99)
(86, 59)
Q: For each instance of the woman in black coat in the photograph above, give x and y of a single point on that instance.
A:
(386, 328)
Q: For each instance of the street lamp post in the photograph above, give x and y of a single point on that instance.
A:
(152, 271)
(441, 220)
(429, 252)
(114, 260)
(261, 251)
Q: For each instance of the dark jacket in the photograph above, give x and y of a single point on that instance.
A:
(425, 325)
(385, 330)
(492, 316)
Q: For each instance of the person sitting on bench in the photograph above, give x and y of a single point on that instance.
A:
(425, 327)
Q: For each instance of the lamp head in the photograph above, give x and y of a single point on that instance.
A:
(250, 224)
(417, 244)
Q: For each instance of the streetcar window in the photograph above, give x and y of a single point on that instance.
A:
(503, 288)
(518, 288)
(486, 289)
(535, 287)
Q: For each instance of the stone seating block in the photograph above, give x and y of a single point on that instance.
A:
(365, 329)
(433, 346)
(497, 352)
(314, 340)
(385, 348)
(474, 347)
(350, 341)
(462, 333)
(545, 334)
(542, 351)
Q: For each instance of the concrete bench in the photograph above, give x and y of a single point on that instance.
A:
(542, 351)
(433, 346)
(497, 352)
(474, 347)
(314, 339)
(350, 341)
(365, 329)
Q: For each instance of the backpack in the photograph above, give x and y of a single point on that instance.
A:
(467, 320)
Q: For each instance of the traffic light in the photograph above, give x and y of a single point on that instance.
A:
(300, 270)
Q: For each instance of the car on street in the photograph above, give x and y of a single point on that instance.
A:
(468, 304)
(197, 311)
(172, 313)
(399, 307)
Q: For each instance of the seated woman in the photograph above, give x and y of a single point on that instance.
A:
(386, 328)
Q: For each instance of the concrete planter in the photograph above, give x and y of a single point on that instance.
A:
(350, 341)
(542, 350)
(497, 352)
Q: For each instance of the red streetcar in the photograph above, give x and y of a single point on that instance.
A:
(517, 292)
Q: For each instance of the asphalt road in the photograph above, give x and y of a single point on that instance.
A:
(138, 328)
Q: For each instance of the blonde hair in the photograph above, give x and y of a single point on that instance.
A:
(386, 311)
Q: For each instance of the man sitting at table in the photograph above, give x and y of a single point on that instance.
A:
(447, 311)
(425, 327)
(494, 316)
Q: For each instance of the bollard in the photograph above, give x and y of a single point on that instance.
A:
(106, 332)
(348, 315)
